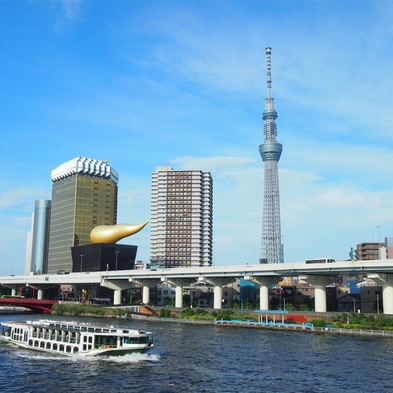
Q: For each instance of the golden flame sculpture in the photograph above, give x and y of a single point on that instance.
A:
(114, 233)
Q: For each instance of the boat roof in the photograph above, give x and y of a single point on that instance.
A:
(77, 327)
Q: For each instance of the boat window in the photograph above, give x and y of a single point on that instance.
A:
(105, 341)
(47, 345)
(6, 331)
(55, 347)
(42, 344)
(68, 349)
(61, 348)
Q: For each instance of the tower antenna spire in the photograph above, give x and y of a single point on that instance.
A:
(269, 71)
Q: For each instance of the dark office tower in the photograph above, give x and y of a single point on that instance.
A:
(181, 218)
(270, 150)
(84, 195)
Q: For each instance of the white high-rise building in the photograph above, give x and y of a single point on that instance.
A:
(38, 239)
(181, 218)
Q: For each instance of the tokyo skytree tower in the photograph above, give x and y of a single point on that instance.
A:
(270, 152)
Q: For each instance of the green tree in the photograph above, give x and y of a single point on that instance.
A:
(289, 306)
(168, 302)
(195, 301)
(187, 300)
(274, 303)
(289, 303)
(307, 304)
(236, 304)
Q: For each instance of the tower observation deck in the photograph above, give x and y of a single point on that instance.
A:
(270, 152)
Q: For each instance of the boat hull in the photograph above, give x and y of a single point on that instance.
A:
(93, 353)
(69, 339)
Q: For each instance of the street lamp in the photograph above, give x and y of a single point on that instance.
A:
(379, 241)
(81, 255)
(117, 253)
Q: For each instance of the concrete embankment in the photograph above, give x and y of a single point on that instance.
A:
(13, 310)
(300, 328)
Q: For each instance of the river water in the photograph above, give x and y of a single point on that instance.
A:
(205, 358)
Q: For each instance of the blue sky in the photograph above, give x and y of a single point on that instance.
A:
(183, 83)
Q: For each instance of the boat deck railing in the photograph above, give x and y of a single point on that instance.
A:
(265, 324)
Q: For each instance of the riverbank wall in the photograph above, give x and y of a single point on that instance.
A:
(300, 328)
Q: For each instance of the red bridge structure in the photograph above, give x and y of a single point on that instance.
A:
(40, 306)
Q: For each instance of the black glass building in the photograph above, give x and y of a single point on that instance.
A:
(103, 256)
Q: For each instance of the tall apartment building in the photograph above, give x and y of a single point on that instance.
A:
(84, 195)
(370, 251)
(181, 218)
(38, 238)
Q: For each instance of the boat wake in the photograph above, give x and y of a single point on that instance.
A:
(129, 358)
(40, 356)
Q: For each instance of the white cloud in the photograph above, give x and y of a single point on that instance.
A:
(71, 8)
(19, 197)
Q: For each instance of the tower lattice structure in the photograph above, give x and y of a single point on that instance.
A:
(270, 152)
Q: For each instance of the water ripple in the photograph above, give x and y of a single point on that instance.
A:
(205, 359)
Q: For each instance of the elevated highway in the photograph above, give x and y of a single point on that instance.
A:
(319, 275)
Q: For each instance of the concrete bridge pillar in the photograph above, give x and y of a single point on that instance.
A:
(386, 281)
(146, 294)
(217, 297)
(320, 283)
(117, 297)
(179, 284)
(117, 286)
(40, 294)
(218, 283)
(264, 283)
(146, 284)
(40, 289)
(387, 299)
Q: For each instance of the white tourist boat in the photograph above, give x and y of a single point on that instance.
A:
(70, 338)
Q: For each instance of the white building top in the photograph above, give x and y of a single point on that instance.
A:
(88, 166)
(163, 168)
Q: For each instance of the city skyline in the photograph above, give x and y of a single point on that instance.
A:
(144, 84)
